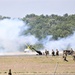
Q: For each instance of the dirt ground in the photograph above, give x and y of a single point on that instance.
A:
(36, 65)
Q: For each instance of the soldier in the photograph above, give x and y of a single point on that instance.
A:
(73, 56)
(57, 52)
(71, 51)
(9, 72)
(65, 55)
(46, 52)
(53, 53)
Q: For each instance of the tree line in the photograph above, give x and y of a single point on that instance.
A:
(55, 25)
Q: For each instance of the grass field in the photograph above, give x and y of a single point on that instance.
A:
(36, 65)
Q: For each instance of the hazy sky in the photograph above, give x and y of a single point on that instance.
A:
(20, 8)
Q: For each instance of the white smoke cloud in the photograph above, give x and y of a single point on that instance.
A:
(61, 44)
(10, 39)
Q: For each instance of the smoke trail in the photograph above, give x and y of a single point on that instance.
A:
(10, 39)
(61, 44)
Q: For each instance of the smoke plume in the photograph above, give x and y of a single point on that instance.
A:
(61, 44)
(10, 39)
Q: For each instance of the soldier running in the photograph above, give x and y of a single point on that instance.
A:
(65, 56)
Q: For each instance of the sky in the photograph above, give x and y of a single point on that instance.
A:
(20, 8)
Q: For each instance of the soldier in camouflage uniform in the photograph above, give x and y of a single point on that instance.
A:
(73, 56)
(53, 53)
(9, 72)
(46, 52)
(65, 56)
(57, 52)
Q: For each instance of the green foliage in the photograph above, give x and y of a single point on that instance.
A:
(58, 26)
(43, 25)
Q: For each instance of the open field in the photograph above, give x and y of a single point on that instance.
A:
(36, 65)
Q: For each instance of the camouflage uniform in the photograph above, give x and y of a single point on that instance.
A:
(57, 52)
(46, 52)
(9, 72)
(53, 53)
(65, 55)
(73, 56)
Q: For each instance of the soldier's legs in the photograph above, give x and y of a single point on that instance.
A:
(65, 58)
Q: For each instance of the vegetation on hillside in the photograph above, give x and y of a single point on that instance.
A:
(43, 25)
